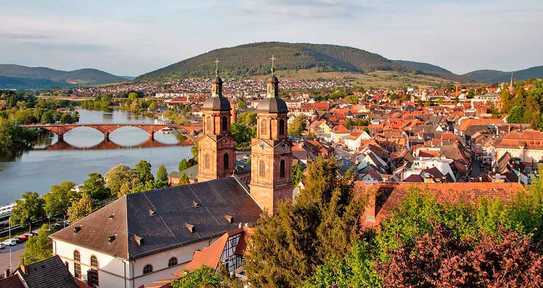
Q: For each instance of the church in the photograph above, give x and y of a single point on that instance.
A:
(145, 237)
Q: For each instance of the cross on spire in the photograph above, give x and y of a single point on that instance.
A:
(217, 67)
(273, 65)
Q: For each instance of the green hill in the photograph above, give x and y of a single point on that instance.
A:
(24, 77)
(495, 76)
(253, 59)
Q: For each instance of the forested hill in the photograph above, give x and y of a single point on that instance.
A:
(23, 77)
(494, 76)
(253, 59)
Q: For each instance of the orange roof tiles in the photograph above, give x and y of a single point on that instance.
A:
(530, 139)
(385, 197)
(465, 124)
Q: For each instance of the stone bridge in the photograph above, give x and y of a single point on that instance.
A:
(107, 129)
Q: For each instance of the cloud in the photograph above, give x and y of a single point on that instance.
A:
(23, 36)
(307, 9)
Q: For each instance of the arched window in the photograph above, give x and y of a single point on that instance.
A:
(77, 264)
(209, 124)
(282, 169)
(261, 168)
(92, 274)
(147, 269)
(94, 262)
(172, 262)
(263, 131)
(226, 161)
(281, 127)
(224, 123)
(206, 161)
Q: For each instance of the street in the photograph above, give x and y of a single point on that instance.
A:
(16, 254)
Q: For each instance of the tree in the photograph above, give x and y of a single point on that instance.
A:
(321, 225)
(183, 164)
(517, 114)
(242, 135)
(38, 247)
(80, 208)
(247, 118)
(161, 177)
(143, 170)
(201, 278)
(297, 173)
(95, 186)
(194, 151)
(59, 199)
(357, 269)
(184, 179)
(27, 210)
(297, 126)
(117, 176)
(439, 259)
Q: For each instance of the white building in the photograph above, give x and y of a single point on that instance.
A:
(145, 237)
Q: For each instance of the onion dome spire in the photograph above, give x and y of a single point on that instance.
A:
(217, 102)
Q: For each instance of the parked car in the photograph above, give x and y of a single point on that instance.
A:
(22, 238)
(2, 246)
(10, 242)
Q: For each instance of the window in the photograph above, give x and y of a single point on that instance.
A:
(224, 124)
(281, 127)
(172, 262)
(263, 128)
(147, 269)
(94, 262)
(92, 274)
(77, 264)
(209, 124)
(226, 161)
(261, 168)
(282, 169)
(206, 161)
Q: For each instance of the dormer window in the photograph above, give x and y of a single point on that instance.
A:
(189, 227)
(229, 218)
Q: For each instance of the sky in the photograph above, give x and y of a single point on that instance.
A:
(130, 38)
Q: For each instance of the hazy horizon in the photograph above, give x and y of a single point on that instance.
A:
(130, 38)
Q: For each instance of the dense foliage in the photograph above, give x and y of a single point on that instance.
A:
(320, 226)
(24, 108)
(38, 247)
(244, 129)
(524, 103)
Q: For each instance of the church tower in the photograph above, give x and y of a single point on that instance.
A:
(271, 155)
(216, 154)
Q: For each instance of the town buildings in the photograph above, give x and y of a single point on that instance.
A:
(147, 237)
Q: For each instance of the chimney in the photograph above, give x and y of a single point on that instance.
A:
(368, 219)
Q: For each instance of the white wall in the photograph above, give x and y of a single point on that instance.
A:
(116, 272)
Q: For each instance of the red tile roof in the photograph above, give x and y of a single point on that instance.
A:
(385, 197)
(530, 139)
(465, 124)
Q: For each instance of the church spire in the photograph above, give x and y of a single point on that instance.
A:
(272, 86)
(216, 84)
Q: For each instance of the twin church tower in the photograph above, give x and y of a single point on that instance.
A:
(271, 155)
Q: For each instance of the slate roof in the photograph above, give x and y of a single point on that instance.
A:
(12, 281)
(159, 218)
(48, 273)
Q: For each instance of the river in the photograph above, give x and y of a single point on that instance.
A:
(37, 170)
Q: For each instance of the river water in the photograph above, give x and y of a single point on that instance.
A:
(37, 170)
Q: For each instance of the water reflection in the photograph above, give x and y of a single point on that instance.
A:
(37, 170)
